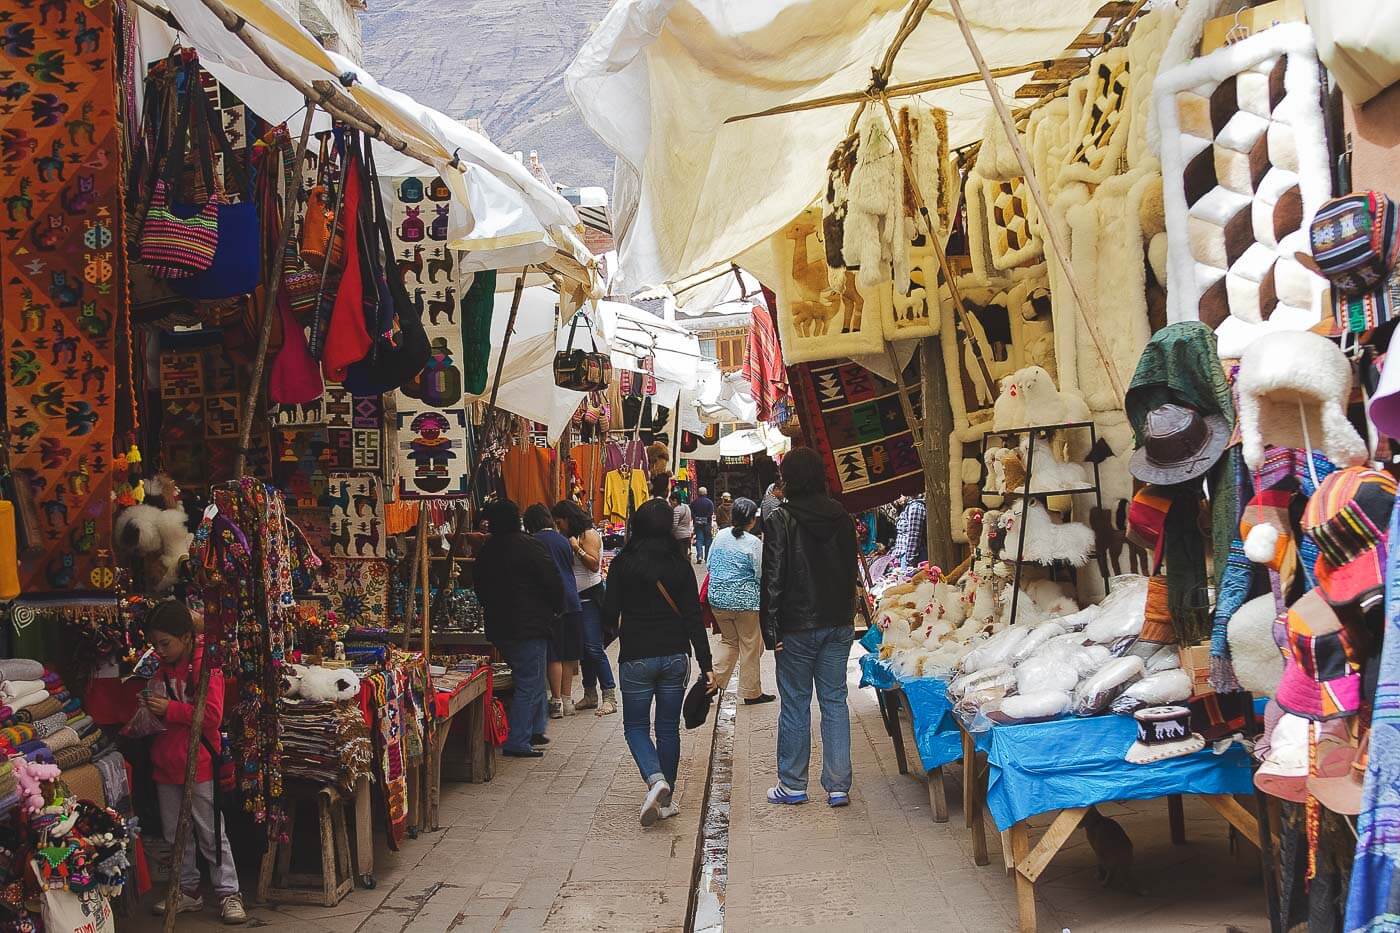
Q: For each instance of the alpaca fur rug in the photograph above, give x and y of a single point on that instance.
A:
(1245, 167)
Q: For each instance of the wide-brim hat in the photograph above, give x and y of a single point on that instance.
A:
(1341, 773)
(1322, 672)
(1179, 444)
(1163, 732)
(1348, 517)
(1283, 773)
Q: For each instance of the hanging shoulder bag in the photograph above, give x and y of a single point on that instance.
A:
(578, 369)
(318, 223)
(179, 241)
(392, 360)
(236, 268)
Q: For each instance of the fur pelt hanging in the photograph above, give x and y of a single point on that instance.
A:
(875, 221)
(834, 204)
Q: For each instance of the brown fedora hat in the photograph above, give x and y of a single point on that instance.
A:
(1178, 444)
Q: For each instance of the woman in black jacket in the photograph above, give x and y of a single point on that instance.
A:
(521, 593)
(653, 603)
(808, 613)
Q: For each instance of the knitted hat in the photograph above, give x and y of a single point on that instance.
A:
(1348, 517)
(1322, 666)
(1354, 245)
(1293, 390)
(1267, 533)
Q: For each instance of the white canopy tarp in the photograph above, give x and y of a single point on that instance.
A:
(632, 335)
(509, 213)
(527, 379)
(657, 79)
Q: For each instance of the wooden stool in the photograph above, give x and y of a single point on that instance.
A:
(278, 883)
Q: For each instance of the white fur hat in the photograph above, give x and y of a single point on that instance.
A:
(1294, 387)
(1253, 653)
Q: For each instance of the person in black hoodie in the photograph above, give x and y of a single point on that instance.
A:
(808, 609)
(653, 603)
(521, 593)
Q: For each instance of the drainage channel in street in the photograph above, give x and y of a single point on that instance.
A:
(705, 911)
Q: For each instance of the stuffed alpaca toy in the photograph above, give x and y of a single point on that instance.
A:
(155, 533)
(1050, 473)
(29, 775)
(1046, 541)
(1051, 598)
(1294, 387)
(292, 675)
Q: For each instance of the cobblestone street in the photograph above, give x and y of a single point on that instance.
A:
(554, 844)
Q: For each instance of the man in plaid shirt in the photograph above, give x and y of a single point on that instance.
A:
(910, 540)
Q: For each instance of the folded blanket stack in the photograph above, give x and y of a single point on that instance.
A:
(67, 758)
(47, 726)
(324, 742)
(41, 710)
(20, 669)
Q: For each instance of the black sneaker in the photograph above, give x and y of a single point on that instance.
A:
(532, 753)
(540, 739)
(761, 698)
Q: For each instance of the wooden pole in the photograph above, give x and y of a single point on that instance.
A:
(415, 572)
(425, 566)
(938, 430)
(1052, 225)
(906, 89)
(201, 695)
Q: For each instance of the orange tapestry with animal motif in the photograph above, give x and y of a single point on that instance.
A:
(61, 280)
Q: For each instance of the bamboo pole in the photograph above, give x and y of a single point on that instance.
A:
(201, 696)
(1052, 225)
(415, 571)
(907, 89)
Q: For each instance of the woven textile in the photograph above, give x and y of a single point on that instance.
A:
(200, 388)
(62, 292)
(854, 419)
(431, 456)
(359, 591)
(357, 517)
(763, 363)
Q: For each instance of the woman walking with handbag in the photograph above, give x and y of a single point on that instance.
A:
(653, 605)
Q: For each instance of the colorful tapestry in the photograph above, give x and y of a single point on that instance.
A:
(854, 418)
(337, 433)
(62, 289)
(358, 591)
(200, 388)
(431, 460)
(357, 517)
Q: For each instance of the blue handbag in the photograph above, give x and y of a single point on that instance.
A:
(237, 265)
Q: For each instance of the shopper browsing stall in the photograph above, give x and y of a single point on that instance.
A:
(518, 585)
(736, 575)
(181, 650)
(565, 647)
(682, 525)
(654, 605)
(587, 546)
(911, 541)
(809, 591)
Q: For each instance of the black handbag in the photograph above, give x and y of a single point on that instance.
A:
(578, 369)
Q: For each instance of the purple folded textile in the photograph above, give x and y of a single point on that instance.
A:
(41, 755)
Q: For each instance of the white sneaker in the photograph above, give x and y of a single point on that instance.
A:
(231, 910)
(568, 707)
(184, 905)
(658, 796)
(556, 709)
(669, 810)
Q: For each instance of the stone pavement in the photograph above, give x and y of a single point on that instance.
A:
(555, 845)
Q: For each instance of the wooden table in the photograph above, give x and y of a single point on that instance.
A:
(466, 723)
(1026, 863)
(892, 703)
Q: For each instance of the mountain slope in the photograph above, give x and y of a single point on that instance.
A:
(501, 61)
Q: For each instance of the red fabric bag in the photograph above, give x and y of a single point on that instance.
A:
(295, 378)
(347, 339)
(706, 612)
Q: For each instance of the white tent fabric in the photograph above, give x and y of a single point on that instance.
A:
(527, 380)
(633, 334)
(511, 217)
(657, 79)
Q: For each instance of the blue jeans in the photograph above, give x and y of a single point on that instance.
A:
(662, 678)
(702, 540)
(597, 670)
(816, 656)
(530, 694)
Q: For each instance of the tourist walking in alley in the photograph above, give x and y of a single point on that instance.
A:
(736, 573)
(587, 546)
(809, 593)
(653, 604)
(724, 511)
(566, 646)
(682, 525)
(702, 510)
(520, 591)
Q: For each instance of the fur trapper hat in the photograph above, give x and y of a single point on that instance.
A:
(1294, 387)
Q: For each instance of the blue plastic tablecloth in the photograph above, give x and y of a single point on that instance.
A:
(935, 730)
(1038, 767)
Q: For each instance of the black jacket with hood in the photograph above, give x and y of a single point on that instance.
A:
(519, 588)
(809, 567)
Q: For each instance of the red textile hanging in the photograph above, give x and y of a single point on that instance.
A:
(763, 363)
